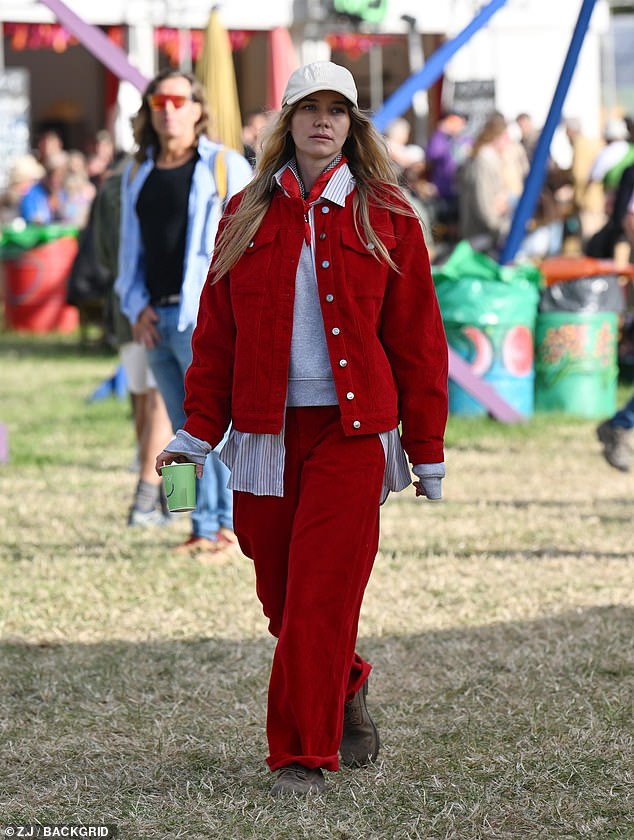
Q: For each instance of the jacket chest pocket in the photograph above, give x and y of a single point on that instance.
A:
(249, 274)
(363, 274)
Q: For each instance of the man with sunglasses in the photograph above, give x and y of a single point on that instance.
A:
(172, 198)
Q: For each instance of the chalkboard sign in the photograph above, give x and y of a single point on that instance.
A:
(474, 98)
(14, 119)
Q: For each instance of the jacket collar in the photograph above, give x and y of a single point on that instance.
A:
(338, 187)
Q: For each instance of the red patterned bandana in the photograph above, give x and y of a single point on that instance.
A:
(293, 186)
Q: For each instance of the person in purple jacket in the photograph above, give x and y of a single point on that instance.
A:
(447, 149)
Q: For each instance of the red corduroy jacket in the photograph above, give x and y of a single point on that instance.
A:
(384, 331)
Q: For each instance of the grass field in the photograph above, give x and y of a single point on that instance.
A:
(499, 623)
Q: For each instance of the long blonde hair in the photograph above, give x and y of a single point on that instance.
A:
(494, 127)
(369, 162)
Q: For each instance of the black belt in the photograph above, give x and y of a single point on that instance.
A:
(168, 300)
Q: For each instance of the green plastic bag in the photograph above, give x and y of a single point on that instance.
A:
(15, 240)
(474, 289)
(465, 262)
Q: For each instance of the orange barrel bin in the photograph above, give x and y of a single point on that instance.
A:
(35, 281)
(561, 268)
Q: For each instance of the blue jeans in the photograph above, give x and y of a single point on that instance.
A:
(624, 417)
(169, 361)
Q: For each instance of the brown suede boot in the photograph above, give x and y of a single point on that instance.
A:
(295, 778)
(616, 446)
(360, 740)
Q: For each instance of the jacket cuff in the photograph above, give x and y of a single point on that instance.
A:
(194, 449)
(431, 476)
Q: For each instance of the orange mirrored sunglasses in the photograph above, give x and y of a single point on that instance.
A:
(158, 101)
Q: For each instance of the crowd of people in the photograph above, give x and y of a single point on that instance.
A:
(303, 367)
(467, 180)
(464, 183)
(55, 185)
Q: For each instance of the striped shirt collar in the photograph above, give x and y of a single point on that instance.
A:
(338, 187)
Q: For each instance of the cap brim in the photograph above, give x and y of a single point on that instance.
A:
(291, 100)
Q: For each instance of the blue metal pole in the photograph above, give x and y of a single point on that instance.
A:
(535, 178)
(401, 99)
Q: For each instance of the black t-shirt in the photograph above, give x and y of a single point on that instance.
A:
(162, 211)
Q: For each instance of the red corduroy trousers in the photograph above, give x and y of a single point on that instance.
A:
(313, 550)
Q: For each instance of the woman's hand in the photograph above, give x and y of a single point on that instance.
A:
(164, 458)
(431, 491)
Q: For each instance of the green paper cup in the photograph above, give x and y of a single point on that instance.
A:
(179, 481)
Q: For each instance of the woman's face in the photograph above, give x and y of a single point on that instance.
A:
(320, 126)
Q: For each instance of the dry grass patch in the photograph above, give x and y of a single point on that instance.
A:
(134, 681)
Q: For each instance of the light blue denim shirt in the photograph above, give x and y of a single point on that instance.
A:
(204, 212)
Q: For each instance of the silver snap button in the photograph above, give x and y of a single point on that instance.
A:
(370, 246)
(336, 330)
(325, 209)
(357, 424)
(330, 298)
(322, 235)
(325, 264)
(342, 362)
(251, 244)
(350, 395)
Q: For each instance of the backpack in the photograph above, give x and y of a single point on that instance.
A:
(220, 175)
(87, 280)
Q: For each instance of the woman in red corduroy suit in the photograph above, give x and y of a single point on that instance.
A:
(319, 338)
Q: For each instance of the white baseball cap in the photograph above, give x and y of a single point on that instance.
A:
(615, 129)
(320, 75)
